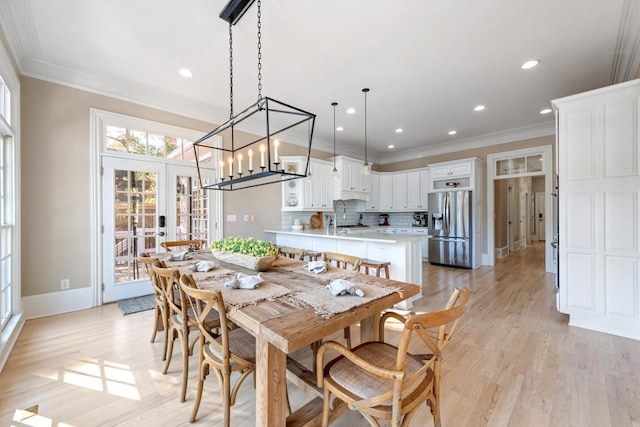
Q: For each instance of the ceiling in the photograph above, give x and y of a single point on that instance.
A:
(428, 63)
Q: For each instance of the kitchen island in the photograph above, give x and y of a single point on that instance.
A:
(402, 251)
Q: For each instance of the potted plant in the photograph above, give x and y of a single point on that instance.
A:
(249, 253)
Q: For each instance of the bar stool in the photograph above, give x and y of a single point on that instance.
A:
(313, 256)
(377, 265)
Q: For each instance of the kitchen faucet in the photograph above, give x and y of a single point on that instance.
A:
(344, 207)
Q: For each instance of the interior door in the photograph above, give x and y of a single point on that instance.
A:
(144, 204)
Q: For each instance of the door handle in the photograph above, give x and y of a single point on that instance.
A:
(161, 234)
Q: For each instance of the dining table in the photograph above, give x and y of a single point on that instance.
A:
(290, 309)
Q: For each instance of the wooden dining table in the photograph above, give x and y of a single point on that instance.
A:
(295, 310)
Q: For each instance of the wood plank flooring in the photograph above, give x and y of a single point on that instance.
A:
(514, 361)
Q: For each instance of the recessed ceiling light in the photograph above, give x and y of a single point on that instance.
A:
(530, 64)
(399, 130)
(185, 72)
(545, 111)
(391, 146)
(479, 108)
(351, 111)
(452, 132)
(339, 128)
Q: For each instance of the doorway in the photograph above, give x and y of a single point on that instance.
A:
(146, 203)
(540, 216)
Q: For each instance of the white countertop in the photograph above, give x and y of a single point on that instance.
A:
(360, 236)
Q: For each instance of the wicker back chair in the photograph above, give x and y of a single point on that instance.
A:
(383, 381)
(185, 244)
(233, 350)
(161, 308)
(182, 321)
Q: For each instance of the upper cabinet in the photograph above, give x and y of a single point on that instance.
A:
(418, 189)
(456, 175)
(352, 183)
(312, 193)
(373, 204)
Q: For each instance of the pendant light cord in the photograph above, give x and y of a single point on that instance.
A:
(259, 52)
(334, 104)
(230, 72)
(365, 90)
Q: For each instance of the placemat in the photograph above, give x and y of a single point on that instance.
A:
(237, 298)
(327, 306)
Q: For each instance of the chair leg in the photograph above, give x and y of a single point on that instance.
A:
(170, 339)
(156, 315)
(325, 408)
(196, 403)
(226, 398)
(165, 323)
(184, 338)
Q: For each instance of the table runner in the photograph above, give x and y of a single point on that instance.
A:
(237, 298)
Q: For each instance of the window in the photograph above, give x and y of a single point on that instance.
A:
(5, 101)
(6, 229)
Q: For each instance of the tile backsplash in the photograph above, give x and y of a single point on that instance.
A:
(372, 219)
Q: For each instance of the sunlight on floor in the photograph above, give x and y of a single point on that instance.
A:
(25, 418)
(113, 377)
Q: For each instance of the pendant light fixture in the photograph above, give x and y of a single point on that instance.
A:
(366, 167)
(267, 118)
(336, 174)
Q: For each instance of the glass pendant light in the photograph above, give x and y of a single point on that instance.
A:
(336, 174)
(366, 167)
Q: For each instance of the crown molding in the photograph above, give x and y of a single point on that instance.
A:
(23, 43)
(496, 138)
(626, 59)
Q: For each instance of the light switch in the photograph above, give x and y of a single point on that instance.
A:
(252, 217)
(231, 218)
(246, 217)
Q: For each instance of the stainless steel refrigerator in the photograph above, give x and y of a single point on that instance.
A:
(451, 229)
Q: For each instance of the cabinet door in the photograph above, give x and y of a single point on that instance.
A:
(413, 190)
(317, 180)
(399, 191)
(424, 190)
(326, 196)
(440, 171)
(461, 169)
(344, 169)
(355, 183)
(386, 189)
(366, 182)
(374, 199)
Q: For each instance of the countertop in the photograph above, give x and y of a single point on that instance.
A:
(360, 236)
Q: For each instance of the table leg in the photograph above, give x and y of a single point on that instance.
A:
(369, 329)
(271, 397)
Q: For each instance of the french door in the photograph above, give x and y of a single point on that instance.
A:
(144, 204)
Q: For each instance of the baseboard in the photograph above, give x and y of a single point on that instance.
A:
(57, 302)
(502, 252)
(9, 337)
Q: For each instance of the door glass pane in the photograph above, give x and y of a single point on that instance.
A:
(502, 167)
(192, 209)
(135, 216)
(534, 163)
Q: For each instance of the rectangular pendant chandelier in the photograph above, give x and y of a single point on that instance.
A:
(246, 161)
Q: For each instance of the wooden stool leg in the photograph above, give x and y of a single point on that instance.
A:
(386, 271)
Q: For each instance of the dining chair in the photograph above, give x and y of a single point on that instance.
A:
(347, 262)
(232, 350)
(385, 382)
(186, 244)
(161, 308)
(182, 321)
(288, 252)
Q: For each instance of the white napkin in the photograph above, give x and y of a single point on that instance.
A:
(204, 266)
(316, 267)
(344, 287)
(244, 281)
(178, 256)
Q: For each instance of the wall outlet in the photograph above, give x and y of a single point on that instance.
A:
(64, 284)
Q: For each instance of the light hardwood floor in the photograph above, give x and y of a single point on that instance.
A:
(515, 361)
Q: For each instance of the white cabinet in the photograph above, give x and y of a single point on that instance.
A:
(399, 191)
(373, 204)
(321, 187)
(417, 190)
(352, 183)
(598, 166)
(311, 193)
(457, 175)
(386, 190)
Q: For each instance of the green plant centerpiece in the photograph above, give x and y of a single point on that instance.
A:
(248, 253)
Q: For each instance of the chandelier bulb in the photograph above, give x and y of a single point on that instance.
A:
(336, 174)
